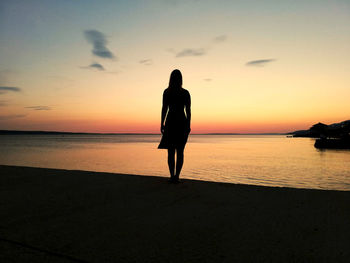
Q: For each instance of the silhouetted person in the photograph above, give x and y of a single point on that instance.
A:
(175, 123)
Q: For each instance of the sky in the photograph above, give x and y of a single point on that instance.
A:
(251, 66)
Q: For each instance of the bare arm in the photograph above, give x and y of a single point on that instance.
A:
(164, 112)
(188, 112)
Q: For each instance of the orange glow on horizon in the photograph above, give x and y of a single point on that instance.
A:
(153, 126)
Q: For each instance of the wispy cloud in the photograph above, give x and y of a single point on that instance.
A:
(4, 89)
(220, 39)
(191, 52)
(196, 52)
(96, 66)
(146, 62)
(207, 80)
(11, 116)
(99, 42)
(38, 107)
(259, 63)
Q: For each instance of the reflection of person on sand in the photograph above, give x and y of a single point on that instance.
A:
(177, 126)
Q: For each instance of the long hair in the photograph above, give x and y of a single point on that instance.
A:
(175, 80)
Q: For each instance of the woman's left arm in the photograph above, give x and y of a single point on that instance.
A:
(188, 112)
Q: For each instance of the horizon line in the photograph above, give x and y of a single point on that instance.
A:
(4, 132)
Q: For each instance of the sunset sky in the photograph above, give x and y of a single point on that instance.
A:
(102, 66)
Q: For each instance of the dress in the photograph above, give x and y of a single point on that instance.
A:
(177, 125)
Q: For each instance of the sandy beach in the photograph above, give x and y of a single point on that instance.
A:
(50, 215)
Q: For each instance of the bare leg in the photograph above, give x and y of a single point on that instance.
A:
(171, 162)
(179, 161)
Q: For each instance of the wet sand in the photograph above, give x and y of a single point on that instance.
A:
(49, 215)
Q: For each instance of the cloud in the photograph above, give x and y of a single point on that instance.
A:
(220, 39)
(12, 116)
(96, 66)
(3, 103)
(259, 63)
(146, 62)
(38, 107)
(4, 89)
(196, 52)
(190, 52)
(99, 42)
(207, 80)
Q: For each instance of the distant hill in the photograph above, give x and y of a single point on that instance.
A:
(335, 130)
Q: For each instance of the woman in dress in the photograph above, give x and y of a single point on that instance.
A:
(175, 123)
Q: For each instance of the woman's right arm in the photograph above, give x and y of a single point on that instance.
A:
(164, 112)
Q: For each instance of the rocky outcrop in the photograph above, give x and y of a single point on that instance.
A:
(321, 130)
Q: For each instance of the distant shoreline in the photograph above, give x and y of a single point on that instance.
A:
(15, 132)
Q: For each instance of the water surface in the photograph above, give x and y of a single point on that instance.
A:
(248, 159)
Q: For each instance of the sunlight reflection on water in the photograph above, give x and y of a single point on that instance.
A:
(247, 159)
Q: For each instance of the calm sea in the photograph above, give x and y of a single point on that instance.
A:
(246, 159)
